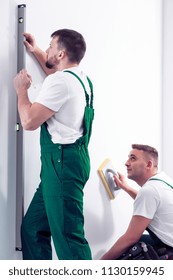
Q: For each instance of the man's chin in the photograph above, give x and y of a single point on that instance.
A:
(49, 65)
(129, 176)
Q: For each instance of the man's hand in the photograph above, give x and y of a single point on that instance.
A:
(40, 55)
(30, 42)
(120, 181)
(22, 82)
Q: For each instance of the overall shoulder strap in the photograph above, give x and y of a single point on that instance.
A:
(156, 179)
(90, 85)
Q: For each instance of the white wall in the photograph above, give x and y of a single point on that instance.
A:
(124, 61)
(168, 86)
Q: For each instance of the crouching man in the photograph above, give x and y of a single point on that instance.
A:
(153, 203)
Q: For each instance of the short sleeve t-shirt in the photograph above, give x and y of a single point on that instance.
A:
(64, 94)
(155, 201)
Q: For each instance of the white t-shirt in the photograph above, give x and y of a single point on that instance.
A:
(155, 201)
(63, 93)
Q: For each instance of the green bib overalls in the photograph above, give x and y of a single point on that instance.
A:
(57, 207)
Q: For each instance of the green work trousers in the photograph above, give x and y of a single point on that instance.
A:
(57, 206)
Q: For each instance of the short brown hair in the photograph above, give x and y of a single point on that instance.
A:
(73, 42)
(150, 151)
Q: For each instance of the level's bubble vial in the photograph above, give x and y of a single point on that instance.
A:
(20, 20)
(17, 126)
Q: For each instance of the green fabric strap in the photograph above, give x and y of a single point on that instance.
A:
(156, 179)
(90, 85)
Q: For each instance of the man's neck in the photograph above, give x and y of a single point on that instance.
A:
(63, 66)
(142, 182)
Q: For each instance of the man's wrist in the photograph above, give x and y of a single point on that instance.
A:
(22, 92)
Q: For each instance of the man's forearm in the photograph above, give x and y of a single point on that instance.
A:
(133, 233)
(121, 246)
(24, 106)
(132, 192)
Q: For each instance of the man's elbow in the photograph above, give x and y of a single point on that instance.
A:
(130, 240)
(29, 125)
(134, 239)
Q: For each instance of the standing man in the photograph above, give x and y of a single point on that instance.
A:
(153, 204)
(64, 110)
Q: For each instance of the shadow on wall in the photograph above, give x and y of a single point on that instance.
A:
(3, 230)
(100, 229)
(7, 230)
(5, 227)
(7, 173)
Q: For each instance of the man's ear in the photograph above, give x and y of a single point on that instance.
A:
(61, 54)
(150, 164)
